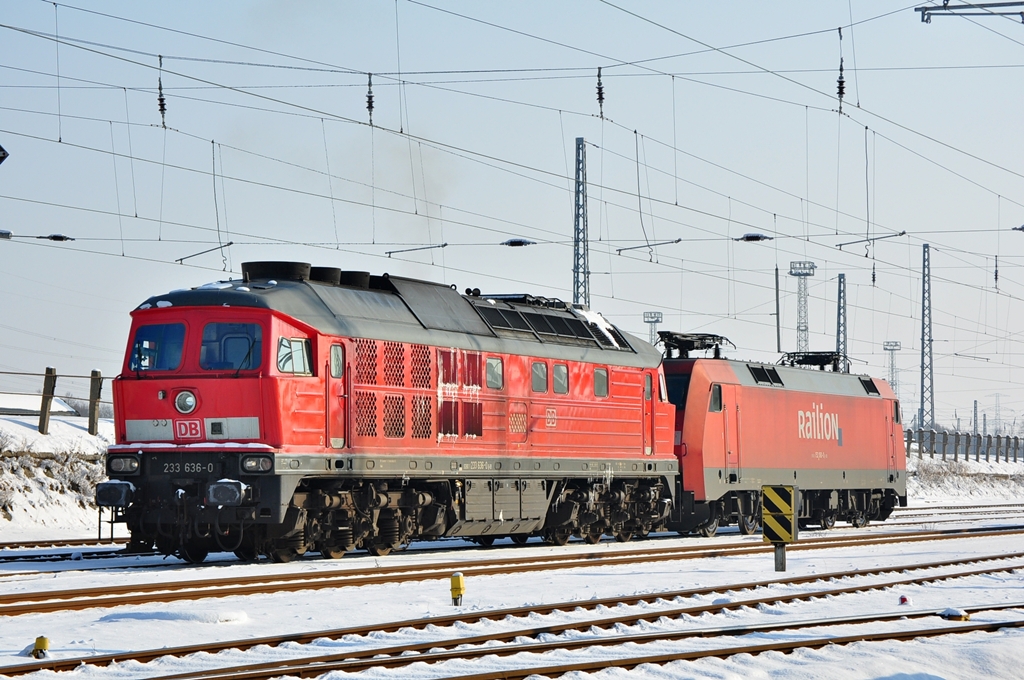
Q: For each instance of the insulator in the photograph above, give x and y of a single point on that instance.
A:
(872, 273)
(841, 89)
(600, 92)
(369, 96)
(161, 102)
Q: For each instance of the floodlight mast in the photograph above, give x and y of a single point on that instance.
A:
(653, 319)
(893, 346)
(802, 270)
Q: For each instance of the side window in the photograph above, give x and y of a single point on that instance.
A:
(716, 399)
(337, 361)
(662, 389)
(495, 373)
(600, 382)
(293, 356)
(560, 379)
(896, 412)
(647, 387)
(540, 376)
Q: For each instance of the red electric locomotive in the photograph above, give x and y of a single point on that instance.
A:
(740, 425)
(309, 409)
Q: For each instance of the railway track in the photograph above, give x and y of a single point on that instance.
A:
(902, 517)
(111, 596)
(440, 649)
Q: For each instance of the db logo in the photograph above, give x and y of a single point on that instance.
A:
(188, 429)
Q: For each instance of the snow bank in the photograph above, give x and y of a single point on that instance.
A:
(48, 482)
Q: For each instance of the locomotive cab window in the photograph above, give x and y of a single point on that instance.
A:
(560, 379)
(337, 361)
(540, 376)
(231, 347)
(293, 356)
(600, 382)
(716, 399)
(896, 413)
(647, 387)
(495, 374)
(157, 347)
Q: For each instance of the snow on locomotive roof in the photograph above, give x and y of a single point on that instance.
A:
(355, 304)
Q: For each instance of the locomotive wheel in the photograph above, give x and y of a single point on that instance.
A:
(593, 537)
(282, 555)
(828, 520)
(558, 536)
(623, 536)
(332, 552)
(709, 529)
(192, 553)
(520, 539)
(247, 551)
(858, 520)
(485, 541)
(378, 549)
(747, 524)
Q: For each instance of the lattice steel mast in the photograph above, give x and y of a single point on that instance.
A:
(581, 247)
(801, 270)
(841, 350)
(926, 412)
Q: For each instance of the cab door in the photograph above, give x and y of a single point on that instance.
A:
(731, 410)
(337, 395)
(648, 409)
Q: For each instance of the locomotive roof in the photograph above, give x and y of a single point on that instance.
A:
(753, 373)
(408, 310)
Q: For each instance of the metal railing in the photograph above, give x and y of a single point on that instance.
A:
(958, 446)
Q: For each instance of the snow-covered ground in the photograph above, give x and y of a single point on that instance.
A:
(46, 501)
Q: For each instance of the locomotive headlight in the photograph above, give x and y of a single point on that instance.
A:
(185, 402)
(124, 464)
(257, 463)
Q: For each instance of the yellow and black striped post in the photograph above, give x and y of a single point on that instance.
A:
(778, 520)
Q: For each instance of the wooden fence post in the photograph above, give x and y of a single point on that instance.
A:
(956, 445)
(910, 441)
(95, 390)
(49, 385)
(945, 444)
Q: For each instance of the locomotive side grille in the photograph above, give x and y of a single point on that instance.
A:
(366, 362)
(366, 414)
(422, 416)
(394, 364)
(420, 369)
(394, 416)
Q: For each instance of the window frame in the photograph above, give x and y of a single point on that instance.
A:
(555, 381)
(337, 368)
(607, 383)
(715, 399)
(534, 375)
(305, 350)
(488, 364)
(252, 354)
(134, 354)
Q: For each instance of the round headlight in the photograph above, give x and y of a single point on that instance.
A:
(185, 402)
(117, 464)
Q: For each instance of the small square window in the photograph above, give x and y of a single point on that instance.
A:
(495, 373)
(600, 382)
(560, 379)
(716, 399)
(540, 376)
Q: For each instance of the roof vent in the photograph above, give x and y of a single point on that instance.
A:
(282, 271)
(354, 279)
(329, 275)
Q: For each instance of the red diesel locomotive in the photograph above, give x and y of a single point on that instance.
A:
(309, 409)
